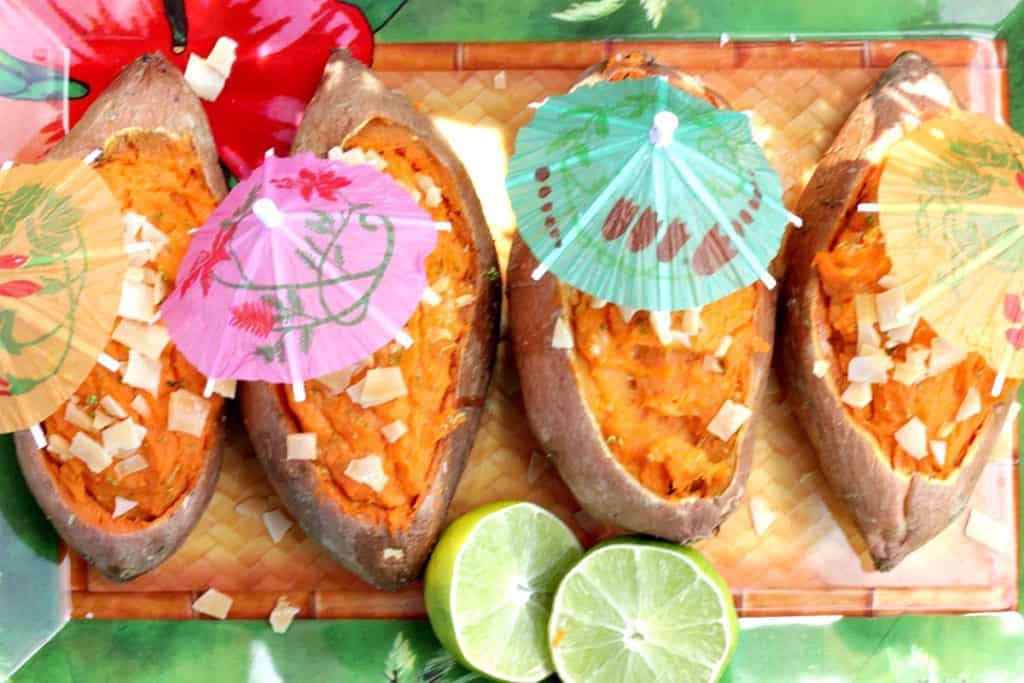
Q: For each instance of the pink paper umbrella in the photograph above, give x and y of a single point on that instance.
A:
(307, 267)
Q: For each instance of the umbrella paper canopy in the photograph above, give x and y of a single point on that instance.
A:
(951, 203)
(62, 261)
(306, 267)
(639, 193)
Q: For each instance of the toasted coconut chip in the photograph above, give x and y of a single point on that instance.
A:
(661, 323)
(369, 471)
(225, 387)
(89, 451)
(252, 507)
(123, 437)
(857, 394)
(867, 335)
(944, 356)
(730, 417)
(723, 346)
(338, 381)
(821, 368)
(140, 406)
(101, 420)
(913, 438)
(938, 449)
(442, 284)
(562, 336)
(761, 516)
(889, 306)
(430, 297)
(277, 524)
(909, 374)
(142, 372)
(987, 531)
(692, 324)
(113, 408)
(870, 369)
(301, 446)
(379, 386)
(282, 615)
(213, 603)
(59, 447)
(970, 406)
(136, 301)
(434, 198)
(135, 463)
(156, 238)
(595, 302)
(393, 431)
(464, 300)
(122, 506)
(187, 412)
(946, 429)
(77, 416)
(712, 364)
(149, 340)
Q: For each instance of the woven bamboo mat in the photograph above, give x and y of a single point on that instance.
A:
(811, 560)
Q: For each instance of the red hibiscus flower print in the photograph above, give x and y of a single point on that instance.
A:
(12, 261)
(202, 270)
(1012, 308)
(1020, 180)
(324, 183)
(255, 317)
(1015, 335)
(19, 289)
(5, 387)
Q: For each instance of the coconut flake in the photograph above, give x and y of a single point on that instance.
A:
(970, 406)
(627, 313)
(336, 382)
(140, 406)
(869, 369)
(101, 421)
(123, 437)
(433, 198)
(464, 300)
(857, 394)
(282, 615)
(113, 408)
(887, 281)
(729, 418)
(987, 531)
(938, 449)
(595, 302)
(909, 374)
(944, 356)
(369, 471)
(821, 368)
(661, 323)
(277, 524)
(691, 322)
(500, 81)
(913, 438)
(712, 364)
(393, 431)
(890, 306)
(867, 335)
(429, 297)
(562, 336)
(122, 506)
(723, 346)
(222, 56)
(157, 239)
(142, 372)
(252, 507)
(59, 447)
(301, 446)
(136, 301)
(205, 81)
(89, 451)
(147, 339)
(135, 463)
(379, 386)
(77, 416)
(1011, 416)
(187, 412)
(761, 516)
(946, 429)
(213, 603)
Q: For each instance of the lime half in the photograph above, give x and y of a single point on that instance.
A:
(489, 587)
(637, 609)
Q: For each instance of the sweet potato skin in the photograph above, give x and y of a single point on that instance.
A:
(556, 408)
(150, 94)
(350, 95)
(896, 513)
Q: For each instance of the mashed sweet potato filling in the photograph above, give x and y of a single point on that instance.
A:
(654, 402)
(160, 178)
(346, 431)
(854, 265)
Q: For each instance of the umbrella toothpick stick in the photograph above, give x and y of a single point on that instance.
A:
(38, 436)
(109, 362)
(6, 166)
(1004, 367)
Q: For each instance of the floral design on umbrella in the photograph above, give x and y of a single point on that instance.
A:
(307, 267)
(61, 266)
(641, 194)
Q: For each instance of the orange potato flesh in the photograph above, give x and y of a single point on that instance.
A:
(345, 431)
(160, 178)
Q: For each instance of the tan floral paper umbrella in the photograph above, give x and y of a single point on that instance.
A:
(951, 207)
(62, 262)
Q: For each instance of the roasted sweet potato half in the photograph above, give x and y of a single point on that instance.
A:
(903, 484)
(377, 493)
(651, 434)
(133, 457)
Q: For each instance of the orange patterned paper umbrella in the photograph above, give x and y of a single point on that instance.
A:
(62, 261)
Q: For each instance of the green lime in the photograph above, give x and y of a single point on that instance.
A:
(489, 587)
(637, 609)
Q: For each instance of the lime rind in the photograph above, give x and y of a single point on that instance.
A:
(642, 610)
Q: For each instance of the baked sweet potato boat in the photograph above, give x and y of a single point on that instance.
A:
(901, 492)
(378, 491)
(133, 457)
(628, 420)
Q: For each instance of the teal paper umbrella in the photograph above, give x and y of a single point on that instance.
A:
(641, 194)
